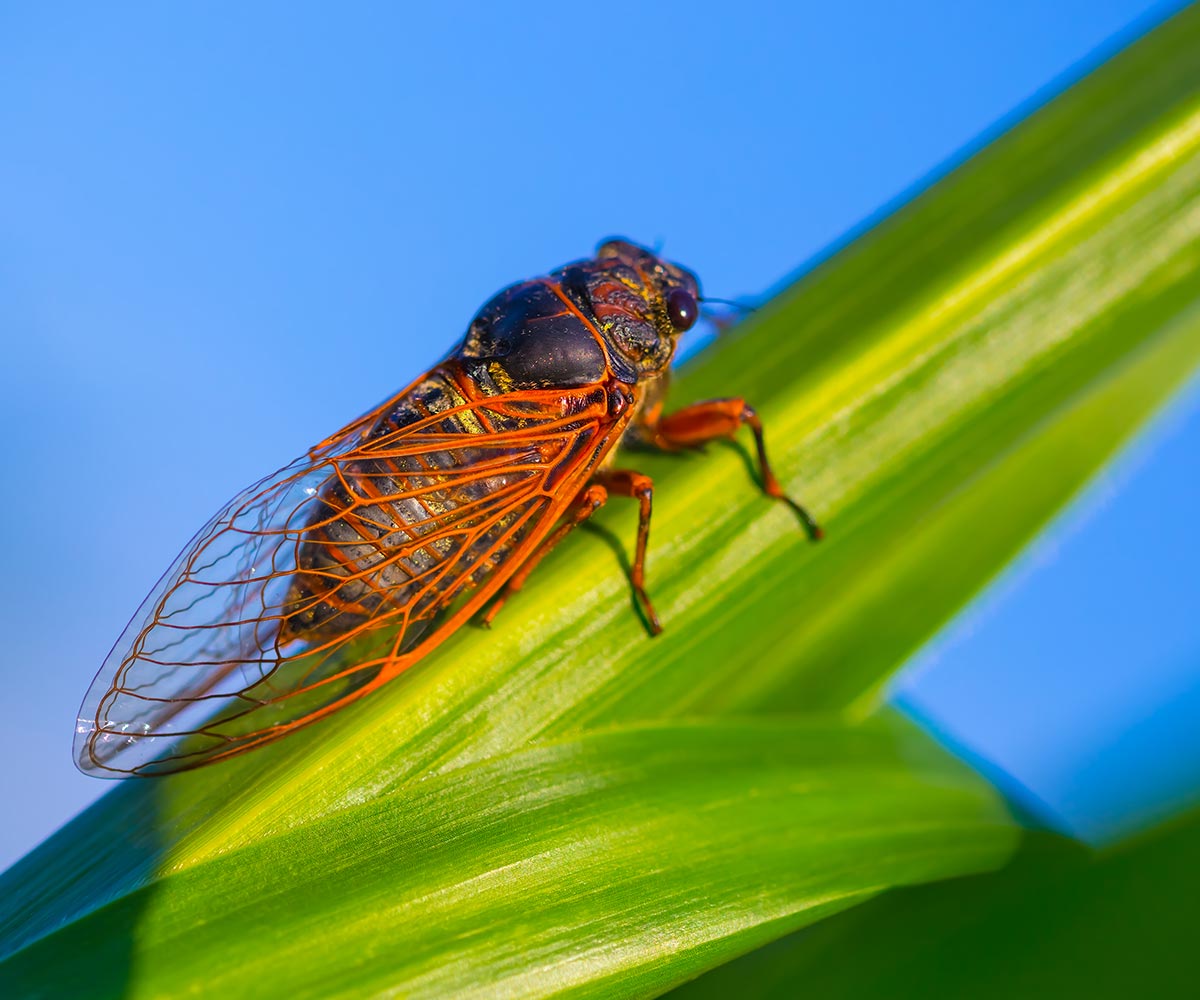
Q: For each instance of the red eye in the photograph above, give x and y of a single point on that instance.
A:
(682, 309)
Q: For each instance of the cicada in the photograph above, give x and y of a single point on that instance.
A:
(326, 580)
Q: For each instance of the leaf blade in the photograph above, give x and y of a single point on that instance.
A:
(1031, 929)
(610, 838)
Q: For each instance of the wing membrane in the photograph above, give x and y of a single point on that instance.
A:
(326, 579)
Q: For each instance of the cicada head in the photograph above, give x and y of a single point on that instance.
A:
(641, 303)
(617, 314)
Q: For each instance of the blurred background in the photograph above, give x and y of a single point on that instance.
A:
(226, 233)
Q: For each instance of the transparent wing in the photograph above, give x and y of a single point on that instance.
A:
(326, 579)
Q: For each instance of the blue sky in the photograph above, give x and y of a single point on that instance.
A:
(228, 230)
(1075, 678)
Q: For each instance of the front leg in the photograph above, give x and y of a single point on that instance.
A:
(700, 423)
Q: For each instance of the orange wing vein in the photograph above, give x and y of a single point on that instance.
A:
(330, 577)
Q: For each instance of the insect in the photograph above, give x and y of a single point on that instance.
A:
(324, 581)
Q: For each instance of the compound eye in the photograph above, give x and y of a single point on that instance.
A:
(682, 309)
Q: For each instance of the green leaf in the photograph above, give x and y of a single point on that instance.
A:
(934, 392)
(1057, 922)
(623, 861)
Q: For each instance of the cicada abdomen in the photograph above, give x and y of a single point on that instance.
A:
(436, 499)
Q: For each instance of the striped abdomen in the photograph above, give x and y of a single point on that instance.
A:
(400, 535)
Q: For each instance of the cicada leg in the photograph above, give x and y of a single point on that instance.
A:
(639, 487)
(618, 482)
(700, 423)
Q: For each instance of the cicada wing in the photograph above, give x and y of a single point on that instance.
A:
(207, 633)
(322, 581)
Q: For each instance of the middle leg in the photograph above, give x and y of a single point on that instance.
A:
(639, 487)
